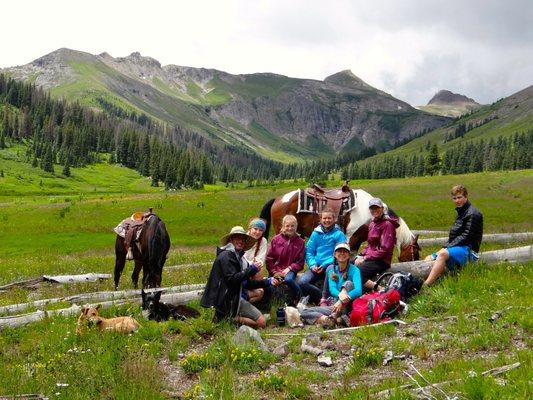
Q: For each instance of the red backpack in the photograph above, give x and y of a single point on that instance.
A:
(375, 307)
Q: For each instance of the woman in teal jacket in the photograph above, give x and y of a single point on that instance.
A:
(344, 281)
(319, 253)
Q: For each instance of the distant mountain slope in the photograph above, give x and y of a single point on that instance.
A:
(450, 104)
(279, 117)
(503, 118)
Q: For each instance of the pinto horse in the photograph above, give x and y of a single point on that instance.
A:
(354, 224)
(154, 243)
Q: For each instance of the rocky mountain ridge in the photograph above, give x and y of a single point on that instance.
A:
(279, 117)
(449, 104)
(447, 97)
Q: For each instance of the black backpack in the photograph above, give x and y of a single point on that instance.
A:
(404, 282)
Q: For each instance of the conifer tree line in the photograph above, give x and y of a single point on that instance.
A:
(58, 132)
(69, 134)
(504, 153)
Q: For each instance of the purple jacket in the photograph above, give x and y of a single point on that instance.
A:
(381, 239)
(285, 252)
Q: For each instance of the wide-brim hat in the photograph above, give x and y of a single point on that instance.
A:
(238, 230)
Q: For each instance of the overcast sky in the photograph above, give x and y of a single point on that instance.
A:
(411, 49)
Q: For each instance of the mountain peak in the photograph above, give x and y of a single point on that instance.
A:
(347, 78)
(137, 58)
(447, 97)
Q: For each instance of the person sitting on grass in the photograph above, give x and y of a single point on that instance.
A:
(464, 239)
(286, 256)
(344, 285)
(223, 290)
(377, 255)
(319, 253)
(256, 256)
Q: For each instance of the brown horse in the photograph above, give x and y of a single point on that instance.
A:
(354, 222)
(154, 243)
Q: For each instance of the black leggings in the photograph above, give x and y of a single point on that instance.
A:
(370, 268)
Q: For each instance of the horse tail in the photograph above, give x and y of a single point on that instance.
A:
(157, 252)
(265, 214)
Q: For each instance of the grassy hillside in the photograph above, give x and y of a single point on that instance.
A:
(21, 179)
(71, 233)
(512, 116)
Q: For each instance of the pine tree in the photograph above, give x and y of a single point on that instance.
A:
(47, 162)
(66, 168)
(432, 161)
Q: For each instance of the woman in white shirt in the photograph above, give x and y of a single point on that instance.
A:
(257, 255)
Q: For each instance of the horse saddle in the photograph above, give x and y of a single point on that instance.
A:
(131, 228)
(315, 198)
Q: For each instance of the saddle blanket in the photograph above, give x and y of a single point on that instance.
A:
(127, 224)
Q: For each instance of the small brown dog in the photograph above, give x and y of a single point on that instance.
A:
(89, 315)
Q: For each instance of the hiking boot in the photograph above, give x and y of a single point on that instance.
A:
(327, 322)
(129, 255)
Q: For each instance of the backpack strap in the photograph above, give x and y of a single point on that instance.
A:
(381, 278)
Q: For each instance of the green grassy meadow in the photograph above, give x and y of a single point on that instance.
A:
(57, 225)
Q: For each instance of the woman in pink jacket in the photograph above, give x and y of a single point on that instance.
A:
(286, 255)
(377, 255)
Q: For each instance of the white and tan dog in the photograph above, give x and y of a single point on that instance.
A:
(89, 316)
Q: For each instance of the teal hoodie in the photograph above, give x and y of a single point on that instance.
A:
(320, 246)
(335, 285)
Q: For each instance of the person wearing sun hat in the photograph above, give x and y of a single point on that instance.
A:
(224, 286)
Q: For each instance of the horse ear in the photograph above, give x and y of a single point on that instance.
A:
(84, 310)
(158, 295)
(143, 294)
(98, 306)
(415, 240)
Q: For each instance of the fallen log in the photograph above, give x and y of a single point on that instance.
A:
(421, 269)
(182, 266)
(24, 319)
(34, 283)
(90, 277)
(489, 237)
(93, 297)
(426, 232)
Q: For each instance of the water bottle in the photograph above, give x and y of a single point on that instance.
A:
(280, 316)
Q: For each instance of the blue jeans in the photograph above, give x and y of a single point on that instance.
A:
(290, 281)
(306, 282)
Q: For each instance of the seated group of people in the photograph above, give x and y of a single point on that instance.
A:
(237, 278)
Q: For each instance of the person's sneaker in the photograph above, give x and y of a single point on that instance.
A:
(129, 255)
(345, 320)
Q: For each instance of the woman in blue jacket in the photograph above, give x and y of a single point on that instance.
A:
(344, 281)
(319, 253)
